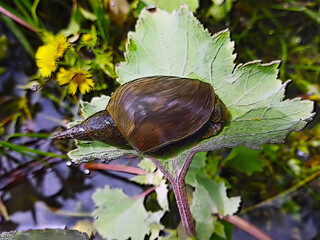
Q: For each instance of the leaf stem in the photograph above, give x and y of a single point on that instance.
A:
(179, 190)
(244, 225)
(180, 194)
(15, 18)
(114, 167)
(147, 192)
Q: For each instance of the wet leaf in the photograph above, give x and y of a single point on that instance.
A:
(88, 151)
(121, 217)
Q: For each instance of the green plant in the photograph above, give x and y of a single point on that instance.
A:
(251, 92)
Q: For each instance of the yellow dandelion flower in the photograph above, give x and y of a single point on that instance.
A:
(64, 76)
(46, 59)
(76, 78)
(48, 55)
(62, 45)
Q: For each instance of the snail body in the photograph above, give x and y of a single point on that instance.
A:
(151, 113)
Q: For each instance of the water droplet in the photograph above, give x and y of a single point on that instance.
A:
(298, 40)
(49, 170)
(113, 4)
(35, 86)
(302, 155)
(87, 171)
(310, 93)
(69, 164)
(95, 217)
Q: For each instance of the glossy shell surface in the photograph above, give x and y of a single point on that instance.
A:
(153, 112)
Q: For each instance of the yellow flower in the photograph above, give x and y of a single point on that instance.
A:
(76, 78)
(46, 59)
(48, 55)
(87, 37)
(62, 45)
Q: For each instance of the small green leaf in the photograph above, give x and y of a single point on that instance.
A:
(169, 5)
(121, 217)
(196, 168)
(97, 104)
(87, 15)
(162, 195)
(152, 177)
(147, 165)
(211, 198)
(245, 160)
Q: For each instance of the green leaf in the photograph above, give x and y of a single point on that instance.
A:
(176, 44)
(214, 196)
(162, 195)
(252, 92)
(169, 5)
(196, 168)
(121, 217)
(211, 198)
(96, 104)
(151, 178)
(44, 234)
(152, 49)
(88, 15)
(220, 9)
(88, 151)
(245, 160)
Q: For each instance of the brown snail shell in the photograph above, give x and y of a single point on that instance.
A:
(152, 112)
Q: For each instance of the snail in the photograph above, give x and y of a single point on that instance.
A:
(152, 113)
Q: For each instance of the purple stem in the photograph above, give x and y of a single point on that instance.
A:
(179, 191)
